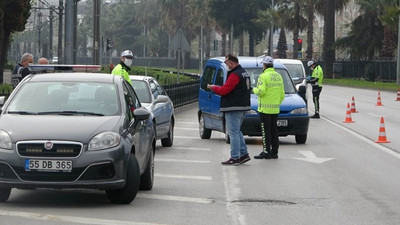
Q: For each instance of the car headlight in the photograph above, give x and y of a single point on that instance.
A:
(104, 140)
(299, 111)
(5, 140)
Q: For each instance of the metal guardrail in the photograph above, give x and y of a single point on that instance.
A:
(183, 93)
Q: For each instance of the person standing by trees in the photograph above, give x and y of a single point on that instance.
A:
(315, 79)
(270, 92)
(124, 65)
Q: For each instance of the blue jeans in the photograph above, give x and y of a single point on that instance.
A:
(234, 121)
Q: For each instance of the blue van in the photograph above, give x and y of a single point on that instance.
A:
(293, 117)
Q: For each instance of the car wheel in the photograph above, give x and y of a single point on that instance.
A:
(147, 178)
(167, 142)
(227, 138)
(128, 193)
(4, 194)
(204, 132)
(301, 139)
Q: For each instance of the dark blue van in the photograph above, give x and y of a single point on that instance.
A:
(293, 117)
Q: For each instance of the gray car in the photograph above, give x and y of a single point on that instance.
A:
(76, 130)
(153, 96)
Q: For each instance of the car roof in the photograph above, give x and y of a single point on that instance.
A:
(250, 61)
(290, 61)
(77, 77)
(140, 77)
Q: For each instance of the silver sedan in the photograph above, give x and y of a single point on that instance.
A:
(153, 96)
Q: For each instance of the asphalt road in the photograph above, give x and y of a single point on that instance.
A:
(340, 176)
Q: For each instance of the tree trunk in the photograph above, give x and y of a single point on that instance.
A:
(329, 37)
(251, 44)
(223, 44)
(241, 43)
(4, 43)
(310, 32)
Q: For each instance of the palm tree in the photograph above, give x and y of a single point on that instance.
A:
(327, 8)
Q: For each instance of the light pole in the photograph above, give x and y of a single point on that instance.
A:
(271, 32)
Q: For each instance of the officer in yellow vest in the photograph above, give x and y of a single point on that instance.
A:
(123, 68)
(270, 92)
(316, 83)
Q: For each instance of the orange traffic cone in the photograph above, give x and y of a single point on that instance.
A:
(382, 133)
(398, 95)
(353, 106)
(379, 101)
(348, 115)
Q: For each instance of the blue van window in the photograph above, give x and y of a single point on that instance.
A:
(207, 77)
(219, 80)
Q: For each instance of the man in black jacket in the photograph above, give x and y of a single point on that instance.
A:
(21, 70)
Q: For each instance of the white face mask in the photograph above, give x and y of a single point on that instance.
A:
(128, 62)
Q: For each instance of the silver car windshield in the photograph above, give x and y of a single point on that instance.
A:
(287, 81)
(65, 98)
(142, 90)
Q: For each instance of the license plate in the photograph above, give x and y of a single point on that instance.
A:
(48, 165)
(282, 123)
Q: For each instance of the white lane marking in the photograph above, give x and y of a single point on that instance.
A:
(379, 146)
(71, 219)
(176, 198)
(182, 160)
(374, 115)
(311, 157)
(186, 128)
(183, 176)
(187, 137)
(232, 192)
(192, 149)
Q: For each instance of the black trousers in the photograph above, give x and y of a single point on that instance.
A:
(316, 90)
(270, 137)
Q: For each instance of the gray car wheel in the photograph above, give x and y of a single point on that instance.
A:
(169, 141)
(204, 132)
(4, 194)
(128, 193)
(147, 178)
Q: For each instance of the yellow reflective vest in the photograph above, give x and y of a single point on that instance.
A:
(317, 73)
(121, 71)
(270, 91)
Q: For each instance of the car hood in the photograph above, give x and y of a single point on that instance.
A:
(55, 127)
(290, 102)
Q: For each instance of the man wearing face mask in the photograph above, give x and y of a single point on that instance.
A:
(123, 67)
(21, 70)
(316, 77)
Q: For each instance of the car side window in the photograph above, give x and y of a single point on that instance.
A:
(153, 89)
(207, 77)
(219, 80)
(131, 99)
(160, 89)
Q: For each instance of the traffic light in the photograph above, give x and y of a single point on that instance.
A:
(108, 45)
(300, 44)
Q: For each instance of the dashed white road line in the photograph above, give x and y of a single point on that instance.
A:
(176, 198)
(192, 149)
(187, 137)
(182, 160)
(71, 219)
(183, 176)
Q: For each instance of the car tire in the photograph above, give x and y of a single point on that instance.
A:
(227, 138)
(169, 141)
(204, 132)
(147, 178)
(4, 194)
(127, 194)
(301, 139)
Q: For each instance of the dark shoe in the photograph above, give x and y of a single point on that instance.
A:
(315, 116)
(244, 158)
(234, 162)
(263, 155)
(274, 156)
